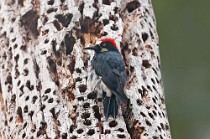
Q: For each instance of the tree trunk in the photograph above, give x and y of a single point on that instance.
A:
(45, 85)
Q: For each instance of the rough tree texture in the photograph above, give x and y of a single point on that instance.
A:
(47, 86)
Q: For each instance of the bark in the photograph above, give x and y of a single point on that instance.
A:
(47, 85)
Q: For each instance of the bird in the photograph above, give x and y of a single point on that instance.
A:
(109, 66)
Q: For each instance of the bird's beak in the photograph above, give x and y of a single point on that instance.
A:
(90, 48)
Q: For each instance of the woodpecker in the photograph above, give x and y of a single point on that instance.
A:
(109, 66)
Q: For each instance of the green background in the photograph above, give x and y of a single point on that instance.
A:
(184, 33)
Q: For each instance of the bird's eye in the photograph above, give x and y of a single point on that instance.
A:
(103, 44)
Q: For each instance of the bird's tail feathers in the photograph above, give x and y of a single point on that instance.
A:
(121, 96)
(110, 106)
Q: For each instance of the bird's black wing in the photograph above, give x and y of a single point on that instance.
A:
(112, 71)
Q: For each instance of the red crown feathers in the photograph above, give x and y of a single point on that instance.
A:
(110, 40)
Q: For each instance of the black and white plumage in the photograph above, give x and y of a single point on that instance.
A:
(109, 65)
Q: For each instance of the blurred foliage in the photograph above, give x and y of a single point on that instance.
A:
(184, 32)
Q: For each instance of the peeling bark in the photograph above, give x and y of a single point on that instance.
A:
(47, 86)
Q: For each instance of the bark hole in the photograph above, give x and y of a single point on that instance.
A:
(30, 20)
(113, 123)
(91, 132)
(131, 6)
(64, 19)
(69, 41)
(19, 115)
(50, 2)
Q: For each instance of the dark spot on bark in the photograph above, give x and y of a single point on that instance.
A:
(25, 109)
(87, 122)
(148, 87)
(120, 129)
(144, 36)
(16, 58)
(43, 52)
(45, 19)
(85, 25)
(159, 128)
(78, 79)
(142, 114)
(73, 137)
(96, 112)
(34, 98)
(72, 127)
(146, 63)
(57, 25)
(13, 98)
(105, 22)
(155, 71)
(50, 100)
(29, 86)
(10, 119)
(25, 72)
(113, 17)
(21, 88)
(42, 107)
(50, 2)
(112, 123)
(85, 115)
(139, 102)
(50, 10)
(86, 105)
(24, 125)
(151, 34)
(25, 61)
(23, 48)
(91, 132)
(116, 10)
(92, 95)
(153, 81)
(55, 115)
(107, 2)
(131, 6)
(104, 33)
(47, 90)
(20, 2)
(162, 126)
(107, 131)
(80, 98)
(114, 27)
(52, 65)
(79, 131)
(27, 98)
(89, 26)
(81, 7)
(20, 114)
(82, 88)
(8, 80)
(120, 136)
(71, 66)
(36, 68)
(31, 113)
(69, 41)
(64, 136)
(15, 46)
(64, 19)
(39, 86)
(30, 21)
(24, 135)
(42, 129)
(148, 123)
(155, 137)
